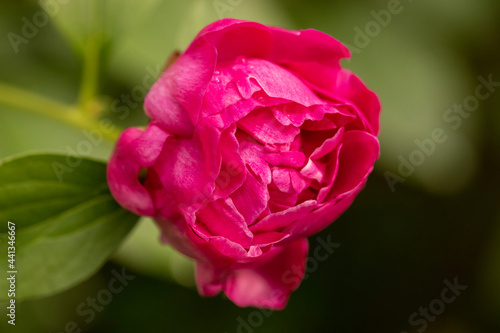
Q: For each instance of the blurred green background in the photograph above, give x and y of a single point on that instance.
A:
(397, 245)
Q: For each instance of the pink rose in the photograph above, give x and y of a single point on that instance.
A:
(257, 140)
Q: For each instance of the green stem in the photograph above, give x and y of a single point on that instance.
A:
(34, 103)
(90, 77)
(91, 62)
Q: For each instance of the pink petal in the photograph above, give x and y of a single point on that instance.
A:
(328, 145)
(314, 170)
(335, 116)
(269, 238)
(232, 171)
(323, 216)
(296, 114)
(295, 159)
(270, 283)
(252, 154)
(279, 220)
(217, 250)
(331, 173)
(251, 198)
(280, 201)
(262, 125)
(350, 88)
(274, 80)
(165, 202)
(266, 282)
(233, 113)
(323, 164)
(134, 150)
(281, 178)
(219, 95)
(175, 99)
(238, 74)
(359, 152)
(354, 161)
(298, 182)
(214, 28)
(188, 167)
(312, 55)
(223, 92)
(234, 250)
(307, 47)
(209, 280)
(346, 88)
(234, 38)
(221, 218)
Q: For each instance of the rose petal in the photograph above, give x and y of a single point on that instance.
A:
(188, 167)
(251, 198)
(217, 250)
(262, 125)
(268, 238)
(175, 99)
(232, 171)
(233, 113)
(331, 172)
(266, 282)
(359, 152)
(165, 202)
(279, 220)
(219, 95)
(296, 114)
(350, 88)
(307, 47)
(346, 88)
(252, 154)
(134, 150)
(328, 145)
(221, 218)
(279, 200)
(293, 159)
(269, 284)
(335, 116)
(320, 218)
(274, 80)
(281, 178)
(234, 38)
(314, 170)
(211, 279)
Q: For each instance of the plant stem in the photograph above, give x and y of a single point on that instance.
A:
(90, 77)
(91, 61)
(34, 103)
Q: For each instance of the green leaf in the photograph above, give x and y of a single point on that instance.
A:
(66, 221)
(22, 132)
